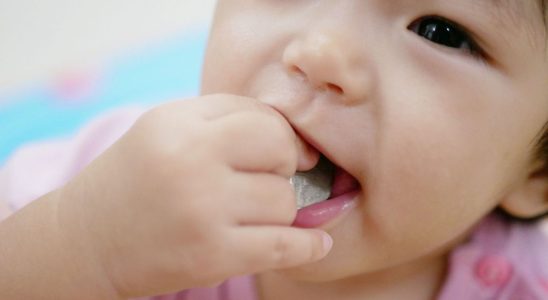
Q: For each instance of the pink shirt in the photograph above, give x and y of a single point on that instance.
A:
(502, 261)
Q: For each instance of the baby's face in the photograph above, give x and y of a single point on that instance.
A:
(435, 121)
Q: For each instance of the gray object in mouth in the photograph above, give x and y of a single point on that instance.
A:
(314, 186)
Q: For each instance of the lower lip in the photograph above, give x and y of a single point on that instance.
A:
(322, 213)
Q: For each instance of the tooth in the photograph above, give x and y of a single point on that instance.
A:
(313, 186)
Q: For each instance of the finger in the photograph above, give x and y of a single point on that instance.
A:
(262, 199)
(255, 142)
(221, 105)
(308, 156)
(270, 247)
(215, 106)
(211, 107)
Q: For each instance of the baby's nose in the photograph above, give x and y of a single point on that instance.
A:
(331, 64)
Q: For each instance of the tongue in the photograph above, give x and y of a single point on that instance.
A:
(343, 183)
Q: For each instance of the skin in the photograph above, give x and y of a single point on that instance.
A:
(436, 138)
(157, 213)
(425, 129)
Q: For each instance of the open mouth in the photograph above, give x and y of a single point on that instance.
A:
(323, 193)
(324, 182)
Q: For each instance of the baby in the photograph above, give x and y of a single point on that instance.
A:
(432, 115)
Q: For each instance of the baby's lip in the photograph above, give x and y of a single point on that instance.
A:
(343, 197)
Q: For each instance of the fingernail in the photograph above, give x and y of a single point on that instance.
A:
(327, 243)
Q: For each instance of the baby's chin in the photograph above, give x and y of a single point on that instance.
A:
(318, 272)
(309, 274)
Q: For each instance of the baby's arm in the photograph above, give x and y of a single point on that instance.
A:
(39, 261)
(33, 171)
(184, 199)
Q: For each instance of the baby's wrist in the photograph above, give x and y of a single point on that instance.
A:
(80, 248)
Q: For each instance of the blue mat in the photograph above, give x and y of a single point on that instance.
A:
(58, 108)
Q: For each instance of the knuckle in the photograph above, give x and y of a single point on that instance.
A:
(157, 144)
(281, 250)
(238, 129)
(314, 252)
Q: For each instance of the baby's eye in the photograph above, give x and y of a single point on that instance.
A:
(444, 32)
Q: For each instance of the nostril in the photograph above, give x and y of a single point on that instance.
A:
(335, 88)
(297, 70)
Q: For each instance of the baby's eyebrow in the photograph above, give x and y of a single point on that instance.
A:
(518, 13)
(518, 9)
(543, 10)
(541, 5)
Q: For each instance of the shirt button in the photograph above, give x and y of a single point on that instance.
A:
(544, 284)
(493, 270)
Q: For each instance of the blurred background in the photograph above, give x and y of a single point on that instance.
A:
(62, 62)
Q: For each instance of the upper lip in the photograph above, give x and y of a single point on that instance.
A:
(303, 94)
(323, 151)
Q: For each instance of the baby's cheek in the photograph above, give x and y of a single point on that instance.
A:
(429, 187)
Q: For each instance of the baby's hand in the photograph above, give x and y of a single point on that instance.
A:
(196, 192)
